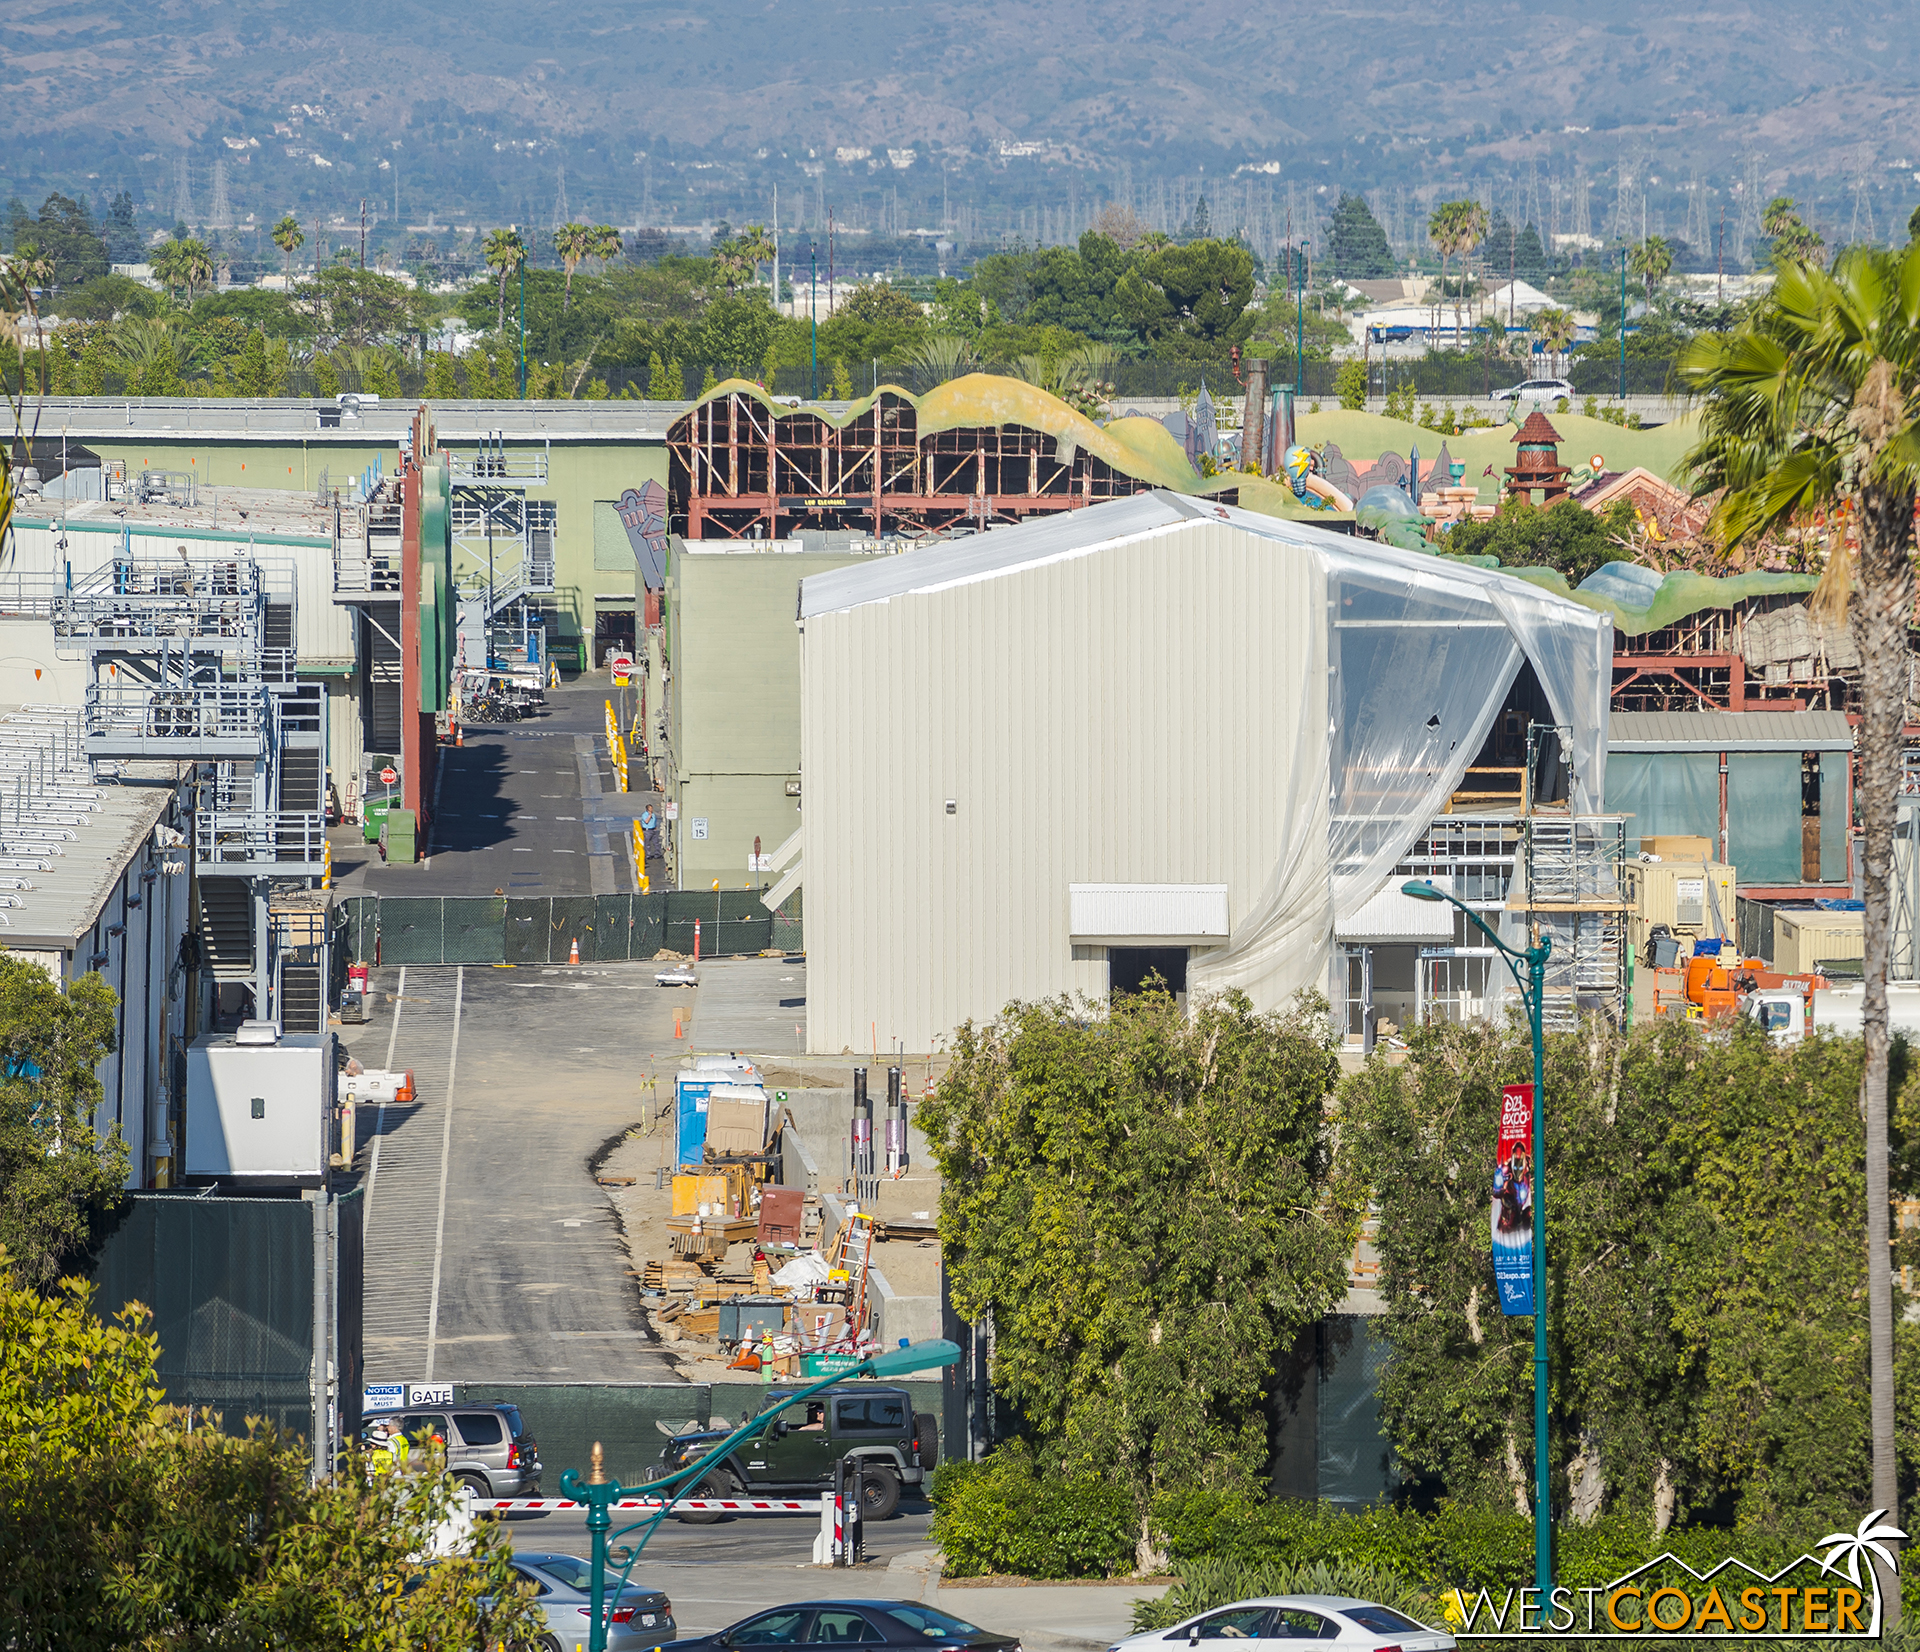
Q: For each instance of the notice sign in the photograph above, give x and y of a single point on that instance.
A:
(1513, 1201)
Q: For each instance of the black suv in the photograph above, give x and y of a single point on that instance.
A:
(796, 1450)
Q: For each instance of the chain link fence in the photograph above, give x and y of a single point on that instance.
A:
(434, 929)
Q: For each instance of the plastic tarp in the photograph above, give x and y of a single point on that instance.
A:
(1667, 794)
(1419, 654)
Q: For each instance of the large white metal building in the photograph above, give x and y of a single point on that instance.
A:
(1157, 734)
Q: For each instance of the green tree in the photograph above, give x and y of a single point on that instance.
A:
(1556, 330)
(1704, 1259)
(659, 387)
(736, 333)
(1529, 255)
(124, 1522)
(65, 235)
(1566, 537)
(1350, 385)
(1140, 1199)
(196, 265)
(1190, 302)
(1913, 225)
(505, 252)
(287, 236)
(150, 353)
(441, 385)
(253, 374)
(1792, 240)
(1652, 261)
(1811, 404)
(839, 385)
(1456, 228)
(574, 243)
(347, 305)
(168, 263)
(1356, 241)
(55, 1172)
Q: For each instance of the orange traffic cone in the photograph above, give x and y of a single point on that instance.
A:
(573, 957)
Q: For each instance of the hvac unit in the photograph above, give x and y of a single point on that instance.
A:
(260, 1106)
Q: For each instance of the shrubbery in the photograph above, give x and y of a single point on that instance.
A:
(1009, 1516)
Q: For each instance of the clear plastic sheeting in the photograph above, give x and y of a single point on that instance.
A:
(1419, 655)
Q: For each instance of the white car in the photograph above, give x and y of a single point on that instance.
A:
(1278, 1622)
(1536, 390)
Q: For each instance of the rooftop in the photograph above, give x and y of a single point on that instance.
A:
(266, 513)
(1711, 731)
(101, 418)
(65, 835)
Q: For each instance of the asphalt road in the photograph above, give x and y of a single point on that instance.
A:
(490, 1251)
(516, 810)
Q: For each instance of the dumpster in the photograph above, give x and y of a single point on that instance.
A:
(397, 837)
(373, 816)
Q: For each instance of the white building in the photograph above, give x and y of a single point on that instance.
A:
(1157, 733)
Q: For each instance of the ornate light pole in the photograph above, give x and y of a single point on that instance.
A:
(1531, 991)
(600, 1494)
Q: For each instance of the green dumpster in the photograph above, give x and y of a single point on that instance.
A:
(374, 816)
(397, 837)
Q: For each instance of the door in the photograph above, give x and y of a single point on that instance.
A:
(785, 1627)
(842, 1626)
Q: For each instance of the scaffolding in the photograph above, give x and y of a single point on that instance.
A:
(741, 469)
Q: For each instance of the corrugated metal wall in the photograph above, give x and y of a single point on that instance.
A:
(1126, 716)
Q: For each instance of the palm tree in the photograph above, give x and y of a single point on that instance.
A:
(939, 358)
(1652, 261)
(1555, 328)
(1793, 240)
(150, 352)
(756, 246)
(168, 262)
(607, 244)
(1456, 228)
(574, 243)
(505, 252)
(196, 265)
(287, 237)
(1811, 405)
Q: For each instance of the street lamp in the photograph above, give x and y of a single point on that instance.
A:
(1531, 991)
(600, 1494)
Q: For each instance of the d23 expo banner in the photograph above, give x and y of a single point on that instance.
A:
(1513, 1201)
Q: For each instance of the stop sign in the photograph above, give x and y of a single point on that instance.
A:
(388, 775)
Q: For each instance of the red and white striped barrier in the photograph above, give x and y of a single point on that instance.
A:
(726, 1505)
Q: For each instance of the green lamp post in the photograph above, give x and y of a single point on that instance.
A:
(1532, 988)
(600, 1494)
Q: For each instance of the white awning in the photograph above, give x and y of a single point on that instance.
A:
(1392, 917)
(771, 898)
(1153, 914)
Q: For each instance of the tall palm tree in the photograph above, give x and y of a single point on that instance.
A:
(168, 262)
(1556, 330)
(288, 238)
(1652, 261)
(574, 243)
(607, 244)
(196, 265)
(150, 352)
(1456, 228)
(505, 252)
(1813, 404)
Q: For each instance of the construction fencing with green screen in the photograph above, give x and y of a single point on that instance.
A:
(492, 929)
(632, 1420)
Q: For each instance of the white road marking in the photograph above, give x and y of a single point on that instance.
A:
(380, 1126)
(446, 1154)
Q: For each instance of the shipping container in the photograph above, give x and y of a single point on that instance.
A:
(1692, 899)
(1804, 937)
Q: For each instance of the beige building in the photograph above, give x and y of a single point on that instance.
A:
(1153, 735)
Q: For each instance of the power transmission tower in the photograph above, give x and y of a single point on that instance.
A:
(1862, 200)
(1747, 225)
(182, 193)
(560, 200)
(1582, 206)
(1533, 193)
(1626, 219)
(221, 214)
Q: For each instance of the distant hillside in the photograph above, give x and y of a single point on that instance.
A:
(485, 101)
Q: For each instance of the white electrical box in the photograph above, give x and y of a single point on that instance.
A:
(260, 1114)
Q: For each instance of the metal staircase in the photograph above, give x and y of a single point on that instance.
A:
(195, 661)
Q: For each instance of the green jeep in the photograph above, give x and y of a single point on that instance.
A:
(796, 1451)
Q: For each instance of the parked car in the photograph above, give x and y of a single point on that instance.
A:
(488, 1447)
(563, 1583)
(1340, 1619)
(1536, 390)
(796, 1451)
(852, 1622)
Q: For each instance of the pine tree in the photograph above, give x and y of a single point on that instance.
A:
(254, 378)
(707, 380)
(1530, 257)
(1358, 243)
(441, 386)
(841, 389)
(658, 388)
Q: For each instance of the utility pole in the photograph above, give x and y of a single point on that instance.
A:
(1300, 330)
(813, 313)
(829, 261)
(776, 252)
(1623, 327)
(363, 232)
(1720, 258)
(523, 326)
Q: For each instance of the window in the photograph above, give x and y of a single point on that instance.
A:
(480, 1428)
(1243, 1623)
(421, 1428)
(770, 1629)
(924, 1620)
(871, 1414)
(515, 1427)
(1382, 1620)
(834, 1625)
(575, 1574)
(1775, 1016)
(1292, 1624)
(526, 1576)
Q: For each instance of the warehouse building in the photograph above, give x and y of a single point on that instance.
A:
(1158, 735)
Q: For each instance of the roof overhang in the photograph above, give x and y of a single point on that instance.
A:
(1148, 914)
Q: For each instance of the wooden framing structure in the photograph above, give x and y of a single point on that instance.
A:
(739, 469)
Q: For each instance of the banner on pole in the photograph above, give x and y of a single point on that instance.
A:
(1513, 1201)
